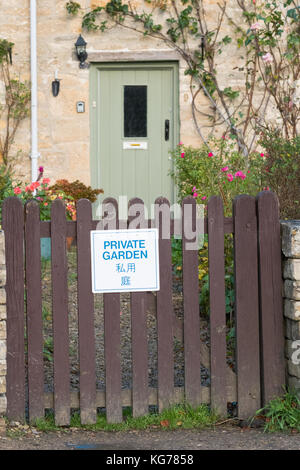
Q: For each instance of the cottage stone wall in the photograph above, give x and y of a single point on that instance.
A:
(2, 326)
(291, 274)
(64, 135)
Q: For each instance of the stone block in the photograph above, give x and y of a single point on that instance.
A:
(2, 275)
(2, 296)
(292, 289)
(3, 367)
(2, 330)
(293, 369)
(294, 384)
(2, 385)
(2, 247)
(3, 404)
(290, 230)
(291, 269)
(292, 309)
(2, 350)
(2, 312)
(292, 351)
(292, 329)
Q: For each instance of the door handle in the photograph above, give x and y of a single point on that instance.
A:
(167, 129)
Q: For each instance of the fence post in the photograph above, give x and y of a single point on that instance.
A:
(246, 305)
(3, 402)
(165, 314)
(112, 341)
(59, 267)
(139, 347)
(270, 283)
(291, 274)
(191, 330)
(34, 312)
(87, 352)
(218, 366)
(13, 224)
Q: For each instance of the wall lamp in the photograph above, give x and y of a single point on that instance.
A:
(81, 52)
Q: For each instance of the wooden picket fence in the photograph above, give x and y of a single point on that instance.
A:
(260, 370)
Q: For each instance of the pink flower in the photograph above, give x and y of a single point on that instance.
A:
(229, 177)
(203, 198)
(267, 58)
(194, 188)
(225, 168)
(210, 154)
(266, 188)
(180, 143)
(255, 26)
(27, 189)
(195, 194)
(17, 190)
(46, 181)
(41, 169)
(182, 155)
(240, 174)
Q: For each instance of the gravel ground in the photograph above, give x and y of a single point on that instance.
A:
(220, 438)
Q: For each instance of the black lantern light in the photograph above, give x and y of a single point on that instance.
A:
(81, 52)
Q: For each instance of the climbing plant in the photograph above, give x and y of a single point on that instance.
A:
(265, 36)
(16, 101)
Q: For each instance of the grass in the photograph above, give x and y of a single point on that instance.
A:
(176, 417)
(282, 413)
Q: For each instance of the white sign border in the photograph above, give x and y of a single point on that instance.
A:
(114, 291)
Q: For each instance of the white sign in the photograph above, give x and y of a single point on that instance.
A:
(124, 260)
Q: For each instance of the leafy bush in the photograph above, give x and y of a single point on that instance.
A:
(6, 184)
(210, 170)
(76, 190)
(281, 172)
(217, 169)
(41, 192)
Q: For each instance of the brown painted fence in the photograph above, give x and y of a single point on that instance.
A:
(259, 372)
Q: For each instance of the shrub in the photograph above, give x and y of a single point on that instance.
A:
(217, 169)
(6, 184)
(281, 172)
(44, 194)
(76, 190)
(41, 193)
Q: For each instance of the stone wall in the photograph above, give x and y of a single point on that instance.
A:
(2, 326)
(64, 135)
(291, 274)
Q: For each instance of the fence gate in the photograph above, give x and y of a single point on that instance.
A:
(258, 373)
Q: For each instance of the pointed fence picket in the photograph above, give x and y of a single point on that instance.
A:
(259, 332)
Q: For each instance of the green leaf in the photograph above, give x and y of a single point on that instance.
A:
(293, 13)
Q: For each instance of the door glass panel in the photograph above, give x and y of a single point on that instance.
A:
(135, 111)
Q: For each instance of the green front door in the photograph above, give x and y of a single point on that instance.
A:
(134, 127)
